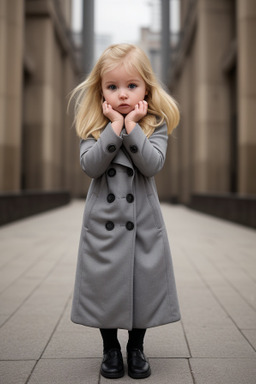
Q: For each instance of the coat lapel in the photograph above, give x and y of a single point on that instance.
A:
(123, 158)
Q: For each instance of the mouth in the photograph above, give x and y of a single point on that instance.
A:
(124, 106)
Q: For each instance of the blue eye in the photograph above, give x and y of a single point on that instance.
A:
(132, 86)
(112, 87)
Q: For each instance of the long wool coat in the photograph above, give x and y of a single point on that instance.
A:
(124, 275)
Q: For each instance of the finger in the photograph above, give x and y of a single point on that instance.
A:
(141, 106)
(144, 105)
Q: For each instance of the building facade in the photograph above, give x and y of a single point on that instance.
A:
(213, 152)
(38, 69)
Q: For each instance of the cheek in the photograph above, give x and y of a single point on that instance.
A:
(104, 95)
(108, 97)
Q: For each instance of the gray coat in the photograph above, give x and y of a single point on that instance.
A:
(124, 275)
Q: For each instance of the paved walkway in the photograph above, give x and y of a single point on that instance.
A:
(215, 265)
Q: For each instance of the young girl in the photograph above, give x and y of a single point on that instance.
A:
(124, 273)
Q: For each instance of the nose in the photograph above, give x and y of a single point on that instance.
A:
(122, 94)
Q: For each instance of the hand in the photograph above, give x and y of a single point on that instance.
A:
(140, 110)
(117, 120)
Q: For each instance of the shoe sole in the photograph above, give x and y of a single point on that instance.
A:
(114, 375)
(143, 375)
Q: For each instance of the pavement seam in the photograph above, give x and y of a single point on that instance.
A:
(190, 354)
(234, 261)
(218, 300)
(33, 290)
(191, 371)
(25, 271)
(186, 340)
(232, 285)
(246, 338)
(50, 338)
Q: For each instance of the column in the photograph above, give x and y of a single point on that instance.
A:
(211, 94)
(165, 39)
(246, 27)
(88, 35)
(43, 113)
(11, 72)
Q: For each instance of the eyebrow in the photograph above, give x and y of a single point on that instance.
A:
(134, 80)
(109, 82)
(128, 81)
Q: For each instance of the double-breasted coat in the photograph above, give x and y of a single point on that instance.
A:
(124, 275)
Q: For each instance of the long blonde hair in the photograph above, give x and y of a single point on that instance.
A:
(89, 119)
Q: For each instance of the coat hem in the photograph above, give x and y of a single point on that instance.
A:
(98, 326)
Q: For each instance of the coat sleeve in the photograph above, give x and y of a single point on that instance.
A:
(96, 155)
(147, 154)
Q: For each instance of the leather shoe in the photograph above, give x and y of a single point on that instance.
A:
(112, 366)
(138, 366)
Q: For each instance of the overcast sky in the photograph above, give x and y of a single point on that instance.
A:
(122, 19)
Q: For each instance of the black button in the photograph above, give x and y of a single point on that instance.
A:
(111, 172)
(111, 197)
(129, 198)
(111, 148)
(129, 225)
(109, 225)
(129, 172)
(133, 148)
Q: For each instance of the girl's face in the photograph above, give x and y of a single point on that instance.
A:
(122, 89)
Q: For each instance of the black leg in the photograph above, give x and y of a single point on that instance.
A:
(110, 339)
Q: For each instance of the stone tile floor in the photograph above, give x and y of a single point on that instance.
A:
(215, 267)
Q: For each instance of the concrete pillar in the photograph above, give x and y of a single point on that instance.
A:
(165, 39)
(246, 28)
(75, 180)
(186, 131)
(67, 12)
(43, 108)
(88, 35)
(11, 71)
(211, 144)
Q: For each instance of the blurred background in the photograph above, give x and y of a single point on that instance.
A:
(203, 51)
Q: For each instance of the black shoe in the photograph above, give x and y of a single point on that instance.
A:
(112, 366)
(138, 366)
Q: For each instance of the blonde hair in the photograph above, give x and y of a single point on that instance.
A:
(89, 119)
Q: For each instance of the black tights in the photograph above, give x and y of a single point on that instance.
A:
(110, 340)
